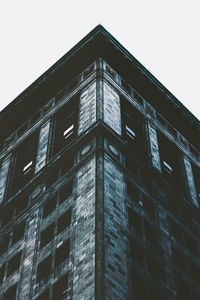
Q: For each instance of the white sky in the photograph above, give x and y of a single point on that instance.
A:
(162, 34)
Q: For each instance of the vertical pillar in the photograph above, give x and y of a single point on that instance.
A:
(84, 233)
(42, 146)
(115, 226)
(111, 108)
(87, 111)
(3, 176)
(153, 143)
(166, 245)
(29, 250)
(190, 180)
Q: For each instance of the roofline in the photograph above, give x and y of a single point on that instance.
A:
(91, 35)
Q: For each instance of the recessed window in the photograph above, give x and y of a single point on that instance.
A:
(139, 287)
(14, 264)
(60, 288)
(154, 267)
(170, 164)
(62, 253)
(25, 162)
(18, 233)
(151, 235)
(4, 244)
(49, 206)
(65, 192)
(136, 252)
(10, 294)
(135, 221)
(44, 295)
(2, 270)
(64, 221)
(133, 128)
(65, 125)
(44, 268)
(47, 236)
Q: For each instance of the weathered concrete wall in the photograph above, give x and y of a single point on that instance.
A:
(115, 223)
(28, 256)
(190, 180)
(84, 233)
(112, 111)
(42, 146)
(3, 176)
(154, 150)
(87, 109)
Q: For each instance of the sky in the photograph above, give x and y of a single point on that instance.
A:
(162, 35)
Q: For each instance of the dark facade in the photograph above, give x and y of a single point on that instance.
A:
(99, 183)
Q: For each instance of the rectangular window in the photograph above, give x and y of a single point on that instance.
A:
(14, 264)
(46, 236)
(4, 244)
(65, 125)
(18, 233)
(10, 294)
(154, 266)
(170, 164)
(133, 128)
(62, 253)
(65, 192)
(64, 221)
(44, 268)
(151, 235)
(135, 221)
(49, 206)
(60, 287)
(132, 192)
(136, 252)
(43, 296)
(2, 270)
(25, 162)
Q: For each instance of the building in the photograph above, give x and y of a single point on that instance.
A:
(99, 183)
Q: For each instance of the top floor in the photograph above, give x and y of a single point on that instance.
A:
(37, 99)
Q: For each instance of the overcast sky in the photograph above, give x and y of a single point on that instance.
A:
(162, 34)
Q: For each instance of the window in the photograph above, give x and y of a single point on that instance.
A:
(43, 296)
(176, 231)
(136, 252)
(154, 266)
(25, 162)
(148, 206)
(64, 221)
(180, 260)
(46, 236)
(18, 233)
(66, 192)
(133, 128)
(14, 264)
(151, 234)
(60, 288)
(170, 164)
(44, 268)
(49, 206)
(139, 287)
(135, 221)
(10, 294)
(2, 270)
(62, 253)
(4, 245)
(132, 192)
(65, 125)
